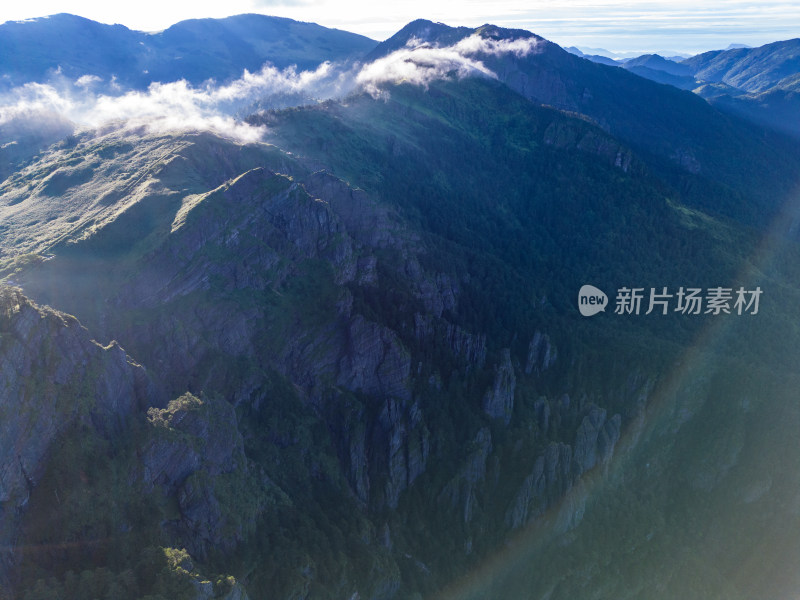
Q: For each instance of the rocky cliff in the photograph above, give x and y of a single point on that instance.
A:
(53, 375)
(314, 327)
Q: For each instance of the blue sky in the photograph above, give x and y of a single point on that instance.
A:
(681, 25)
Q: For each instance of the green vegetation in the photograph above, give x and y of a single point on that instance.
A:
(95, 531)
(156, 574)
(16, 264)
(510, 208)
(517, 218)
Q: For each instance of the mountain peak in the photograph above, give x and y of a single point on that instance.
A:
(750, 69)
(443, 35)
(424, 25)
(195, 50)
(504, 33)
(420, 29)
(57, 21)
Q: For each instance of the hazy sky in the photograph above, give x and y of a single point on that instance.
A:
(617, 25)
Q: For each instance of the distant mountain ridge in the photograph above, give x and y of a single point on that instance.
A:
(758, 84)
(598, 58)
(195, 50)
(749, 69)
(623, 56)
(662, 70)
(658, 62)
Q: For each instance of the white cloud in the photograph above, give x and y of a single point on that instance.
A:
(419, 64)
(178, 106)
(329, 80)
(475, 44)
(173, 106)
(163, 107)
(33, 99)
(87, 81)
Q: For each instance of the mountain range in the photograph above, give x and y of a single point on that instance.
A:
(330, 347)
(195, 50)
(759, 84)
(756, 83)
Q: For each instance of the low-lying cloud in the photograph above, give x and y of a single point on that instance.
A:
(176, 105)
(89, 102)
(420, 62)
(519, 47)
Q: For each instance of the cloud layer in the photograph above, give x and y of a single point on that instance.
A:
(90, 102)
(173, 106)
(421, 62)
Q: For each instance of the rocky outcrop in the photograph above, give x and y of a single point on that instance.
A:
(531, 499)
(555, 471)
(52, 374)
(408, 447)
(375, 361)
(542, 411)
(371, 224)
(437, 292)
(229, 275)
(281, 275)
(195, 452)
(382, 457)
(432, 332)
(258, 218)
(356, 461)
(498, 402)
(191, 431)
(541, 354)
(460, 492)
(550, 478)
(595, 439)
(567, 136)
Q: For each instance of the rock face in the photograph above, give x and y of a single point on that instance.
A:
(460, 492)
(207, 432)
(435, 332)
(498, 402)
(605, 147)
(375, 361)
(194, 446)
(51, 375)
(236, 272)
(407, 449)
(555, 471)
(541, 354)
(531, 499)
(233, 273)
(595, 439)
